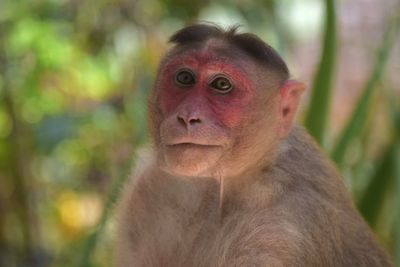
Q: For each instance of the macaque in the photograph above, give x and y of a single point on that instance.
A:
(230, 179)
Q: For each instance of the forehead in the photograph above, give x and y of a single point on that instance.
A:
(217, 55)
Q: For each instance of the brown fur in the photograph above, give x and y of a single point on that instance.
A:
(278, 203)
(296, 213)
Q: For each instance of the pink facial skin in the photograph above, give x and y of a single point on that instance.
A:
(226, 109)
(202, 130)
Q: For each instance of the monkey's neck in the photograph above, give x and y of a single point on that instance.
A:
(233, 189)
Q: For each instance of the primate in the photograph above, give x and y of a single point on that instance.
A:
(230, 180)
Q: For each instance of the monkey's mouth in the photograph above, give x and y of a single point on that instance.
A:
(187, 145)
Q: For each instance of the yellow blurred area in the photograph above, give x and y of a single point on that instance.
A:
(78, 212)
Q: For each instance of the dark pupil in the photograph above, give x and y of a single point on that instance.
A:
(222, 84)
(185, 78)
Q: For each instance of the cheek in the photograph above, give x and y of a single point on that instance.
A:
(231, 118)
(235, 111)
(169, 99)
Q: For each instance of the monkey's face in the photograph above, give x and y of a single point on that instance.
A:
(208, 116)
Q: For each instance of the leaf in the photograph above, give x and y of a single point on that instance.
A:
(394, 113)
(358, 118)
(387, 173)
(373, 198)
(318, 111)
(397, 177)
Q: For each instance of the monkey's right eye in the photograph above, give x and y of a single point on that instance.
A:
(185, 78)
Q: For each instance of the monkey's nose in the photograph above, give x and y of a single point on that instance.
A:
(188, 120)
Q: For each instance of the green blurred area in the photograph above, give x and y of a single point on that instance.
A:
(74, 78)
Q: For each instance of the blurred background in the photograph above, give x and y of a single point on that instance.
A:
(74, 78)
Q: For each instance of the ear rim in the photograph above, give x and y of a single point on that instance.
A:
(290, 94)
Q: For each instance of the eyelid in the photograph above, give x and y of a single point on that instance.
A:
(185, 69)
(219, 75)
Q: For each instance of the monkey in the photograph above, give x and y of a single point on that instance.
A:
(230, 179)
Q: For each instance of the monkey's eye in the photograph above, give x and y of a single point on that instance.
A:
(221, 85)
(185, 78)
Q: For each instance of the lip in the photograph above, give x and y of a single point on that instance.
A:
(189, 141)
(189, 145)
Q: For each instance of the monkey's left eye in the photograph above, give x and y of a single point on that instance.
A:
(185, 78)
(222, 85)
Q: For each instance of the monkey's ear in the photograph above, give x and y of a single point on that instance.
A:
(290, 93)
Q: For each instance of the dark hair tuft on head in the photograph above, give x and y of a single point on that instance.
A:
(258, 49)
(247, 42)
(195, 33)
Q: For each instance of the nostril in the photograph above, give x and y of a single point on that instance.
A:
(194, 121)
(181, 120)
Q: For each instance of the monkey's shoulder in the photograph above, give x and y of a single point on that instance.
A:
(304, 164)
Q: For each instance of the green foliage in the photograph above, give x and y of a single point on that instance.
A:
(359, 116)
(317, 117)
(374, 195)
(397, 204)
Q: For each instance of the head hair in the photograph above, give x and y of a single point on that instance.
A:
(249, 43)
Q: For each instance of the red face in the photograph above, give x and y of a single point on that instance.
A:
(207, 103)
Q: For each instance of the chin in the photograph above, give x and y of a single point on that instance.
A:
(189, 160)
